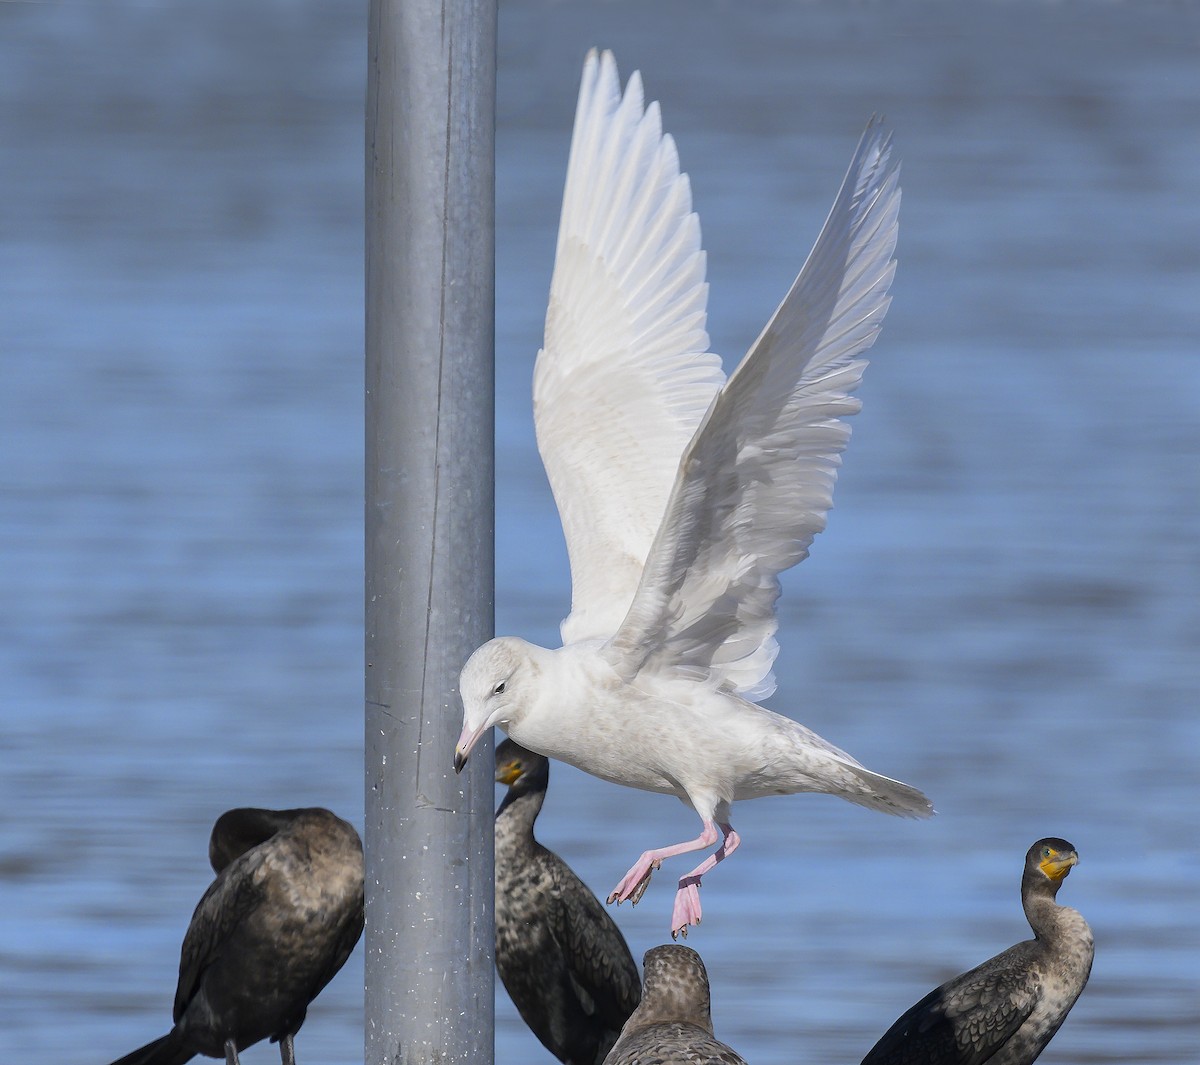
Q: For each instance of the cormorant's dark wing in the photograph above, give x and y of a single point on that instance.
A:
(229, 899)
(967, 1019)
(601, 968)
(349, 934)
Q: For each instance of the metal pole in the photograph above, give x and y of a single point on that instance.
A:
(429, 509)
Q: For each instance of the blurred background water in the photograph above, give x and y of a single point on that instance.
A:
(1005, 610)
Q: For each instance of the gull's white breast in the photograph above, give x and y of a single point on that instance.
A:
(660, 733)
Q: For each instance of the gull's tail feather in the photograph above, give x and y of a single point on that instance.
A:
(808, 762)
(887, 795)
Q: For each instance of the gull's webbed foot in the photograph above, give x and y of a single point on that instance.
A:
(634, 884)
(687, 907)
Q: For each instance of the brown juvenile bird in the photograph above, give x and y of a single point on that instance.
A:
(273, 928)
(672, 1025)
(561, 958)
(1006, 1010)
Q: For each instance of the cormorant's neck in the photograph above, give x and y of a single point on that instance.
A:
(517, 813)
(1041, 910)
(1061, 931)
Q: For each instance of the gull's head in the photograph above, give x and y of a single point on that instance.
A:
(494, 686)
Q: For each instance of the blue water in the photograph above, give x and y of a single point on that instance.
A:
(1004, 611)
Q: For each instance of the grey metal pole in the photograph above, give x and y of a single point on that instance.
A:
(429, 509)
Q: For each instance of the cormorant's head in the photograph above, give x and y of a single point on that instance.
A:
(243, 829)
(1052, 857)
(522, 770)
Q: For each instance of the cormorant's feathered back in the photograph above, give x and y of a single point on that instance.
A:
(564, 962)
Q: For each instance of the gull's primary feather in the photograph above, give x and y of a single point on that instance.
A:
(756, 482)
(625, 375)
(683, 496)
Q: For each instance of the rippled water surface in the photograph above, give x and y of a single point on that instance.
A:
(1004, 611)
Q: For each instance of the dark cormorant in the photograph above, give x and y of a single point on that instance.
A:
(564, 962)
(273, 928)
(672, 1025)
(1006, 1010)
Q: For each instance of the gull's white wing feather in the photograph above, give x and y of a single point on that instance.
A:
(625, 375)
(756, 482)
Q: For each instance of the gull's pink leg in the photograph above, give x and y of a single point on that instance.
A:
(635, 881)
(687, 898)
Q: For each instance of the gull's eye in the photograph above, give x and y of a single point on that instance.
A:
(499, 688)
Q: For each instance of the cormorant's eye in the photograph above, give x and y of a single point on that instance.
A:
(499, 689)
(1046, 851)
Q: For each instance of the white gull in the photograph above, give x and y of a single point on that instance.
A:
(684, 495)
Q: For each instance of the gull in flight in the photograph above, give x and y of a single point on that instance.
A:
(684, 494)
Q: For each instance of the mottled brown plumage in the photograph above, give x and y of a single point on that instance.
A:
(1006, 1010)
(561, 958)
(673, 1024)
(273, 928)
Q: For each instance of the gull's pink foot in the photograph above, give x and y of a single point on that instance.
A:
(687, 906)
(635, 882)
(687, 899)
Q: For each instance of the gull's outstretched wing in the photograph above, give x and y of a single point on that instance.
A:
(625, 375)
(756, 482)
